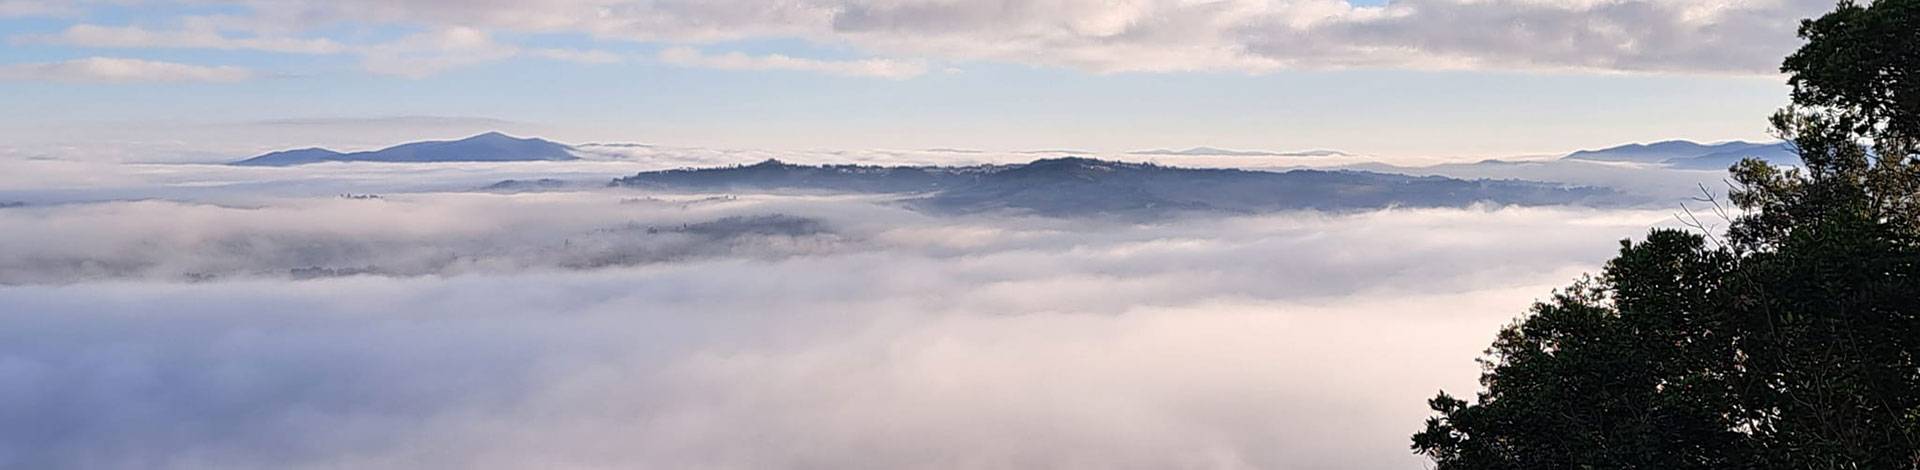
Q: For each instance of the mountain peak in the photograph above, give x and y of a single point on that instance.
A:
(492, 146)
(1666, 151)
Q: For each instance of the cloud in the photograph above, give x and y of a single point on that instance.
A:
(422, 54)
(579, 56)
(1622, 36)
(87, 35)
(1298, 340)
(120, 70)
(23, 8)
(427, 53)
(243, 241)
(492, 373)
(413, 56)
(1159, 36)
(1661, 36)
(878, 68)
(1257, 36)
(1219, 152)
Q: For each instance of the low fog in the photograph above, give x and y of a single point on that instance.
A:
(621, 329)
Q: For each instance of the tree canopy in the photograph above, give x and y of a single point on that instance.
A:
(1793, 341)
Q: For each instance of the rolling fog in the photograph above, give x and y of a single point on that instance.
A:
(604, 328)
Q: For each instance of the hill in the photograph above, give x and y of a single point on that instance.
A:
(1691, 155)
(1082, 186)
(488, 147)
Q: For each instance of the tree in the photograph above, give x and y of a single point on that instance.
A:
(1795, 344)
(1859, 61)
(1621, 371)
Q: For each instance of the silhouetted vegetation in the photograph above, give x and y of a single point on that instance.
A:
(1790, 342)
(1074, 186)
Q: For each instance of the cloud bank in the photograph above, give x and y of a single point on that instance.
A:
(1254, 36)
(202, 36)
(1291, 340)
(878, 68)
(1684, 36)
(120, 70)
(23, 8)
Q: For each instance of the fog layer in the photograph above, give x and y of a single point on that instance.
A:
(851, 335)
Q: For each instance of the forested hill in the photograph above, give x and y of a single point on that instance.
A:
(1083, 186)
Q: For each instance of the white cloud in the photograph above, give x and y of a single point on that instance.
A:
(19, 8)
(1687, 36)
(413, 56)
(120, 70)
(1630, 36)
(1665, 36)
(1283, 341)
(577, 55)
(879, 68)
(88, 35)
(427, 53)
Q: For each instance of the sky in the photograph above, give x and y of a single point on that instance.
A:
(208, 79)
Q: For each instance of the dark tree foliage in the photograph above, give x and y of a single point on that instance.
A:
(1627, 370)
(1792, 343)
(1859, 60)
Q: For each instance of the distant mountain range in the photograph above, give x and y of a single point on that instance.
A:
(498, 147)
(1083, 186)
(1692, 155)
(488, 147)
(1218, 152)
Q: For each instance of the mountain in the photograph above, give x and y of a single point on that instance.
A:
(778, 175)
(512, 186)
(294, 157)
(488, 147)
(1688, 154)
(1778, 154)
(1216, 152)
(1657, 152)
(1082, 186)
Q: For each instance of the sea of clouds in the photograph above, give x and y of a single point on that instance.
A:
(190, 316)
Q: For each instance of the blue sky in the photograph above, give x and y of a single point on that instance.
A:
(1410, 78)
